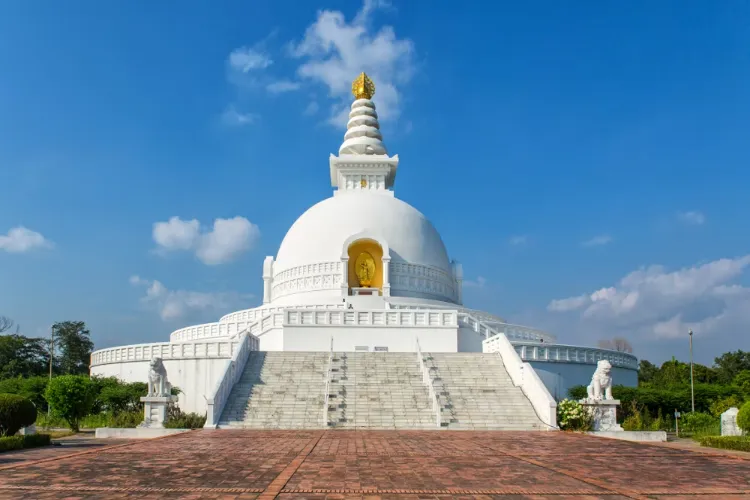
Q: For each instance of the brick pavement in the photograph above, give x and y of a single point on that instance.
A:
(420, 465)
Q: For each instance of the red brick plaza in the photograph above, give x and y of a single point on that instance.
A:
(372, 464)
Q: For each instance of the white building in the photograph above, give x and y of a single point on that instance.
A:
(359, 271)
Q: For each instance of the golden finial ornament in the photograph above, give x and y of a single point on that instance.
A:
(362, 87)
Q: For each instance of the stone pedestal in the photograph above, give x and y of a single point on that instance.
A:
(155, 410)
(604, 412)
(729, 425)
(27, 431)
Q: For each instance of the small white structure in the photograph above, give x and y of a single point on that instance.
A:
(601, 383)
(729, 425)
(156, 403)
(602, 406)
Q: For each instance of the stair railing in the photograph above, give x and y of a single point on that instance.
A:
(232, 373)
(328, 385)
(427, 380)
(522, 374)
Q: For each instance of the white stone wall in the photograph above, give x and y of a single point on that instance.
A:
(397, 339)
(195, 377)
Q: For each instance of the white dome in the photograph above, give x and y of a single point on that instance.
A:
(320, 233)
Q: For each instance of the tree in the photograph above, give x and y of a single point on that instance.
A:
(6, 324)
(70, 397)
(729, 364)
(616, 344)
(72, 339)
(647, 372)
(22, 356)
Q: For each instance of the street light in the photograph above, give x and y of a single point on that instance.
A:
(692, 391)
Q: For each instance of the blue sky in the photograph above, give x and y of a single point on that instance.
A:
(587, 162)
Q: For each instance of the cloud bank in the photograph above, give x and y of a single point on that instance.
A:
(225, 241)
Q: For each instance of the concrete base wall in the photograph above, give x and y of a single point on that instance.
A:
(137, 433)
(653, 436)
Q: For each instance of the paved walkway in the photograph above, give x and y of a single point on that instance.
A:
(374, 464)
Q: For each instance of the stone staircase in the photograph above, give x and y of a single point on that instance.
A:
(278, 390)
(378, 390)
(476, 392)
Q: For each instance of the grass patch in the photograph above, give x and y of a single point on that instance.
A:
(10, 443)
(60, 434)
(738, 443)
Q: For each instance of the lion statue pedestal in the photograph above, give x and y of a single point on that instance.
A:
(159, 397)
(600, 404)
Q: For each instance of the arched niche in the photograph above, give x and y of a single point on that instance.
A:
(377, 247)
(373, 248)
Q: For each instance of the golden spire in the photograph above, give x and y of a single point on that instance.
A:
(362, 87)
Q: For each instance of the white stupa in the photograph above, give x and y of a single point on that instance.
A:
(361, 271)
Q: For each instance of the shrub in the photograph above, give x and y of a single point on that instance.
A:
(572, 416)
(71, 398)
(739, 443)
(697, 421)
(721, 405)
(176, 419)
(577, 392)
(743, 418)
(20, 442)
(15, 412)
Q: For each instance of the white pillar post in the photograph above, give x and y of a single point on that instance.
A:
(267, 279)
(458, 276)
(386, 277)
(345, 276)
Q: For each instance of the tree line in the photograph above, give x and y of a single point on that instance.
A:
(69, 349)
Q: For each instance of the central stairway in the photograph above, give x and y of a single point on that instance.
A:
(376, 390)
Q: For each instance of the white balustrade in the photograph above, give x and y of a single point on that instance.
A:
(232, 373)
(572, 354)
(164, 350)
(373, 318)
(427, 381)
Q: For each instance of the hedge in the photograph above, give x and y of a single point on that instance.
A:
(15, 412)
(739, 443)
(20, 442)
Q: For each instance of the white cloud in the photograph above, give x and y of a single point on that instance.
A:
(226, 240)
(246, 59)
(692, 217)
(335, 51)
(281, 86)
(20, 240)
(174, 304)
(598, 241)
(569, 304)
(654, 302)
(518, 240)
(477, 283)
(233, 117)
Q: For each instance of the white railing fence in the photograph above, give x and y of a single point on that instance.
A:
(328, 385)
(232, 373)
(572, 354)
(165, 350)
(427, 380)
(522, 374)
(373, 318)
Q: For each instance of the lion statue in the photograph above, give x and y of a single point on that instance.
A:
(601, 383)
(157, 379)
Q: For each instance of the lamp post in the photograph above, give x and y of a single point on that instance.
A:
(51, 355)
(692, 390)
